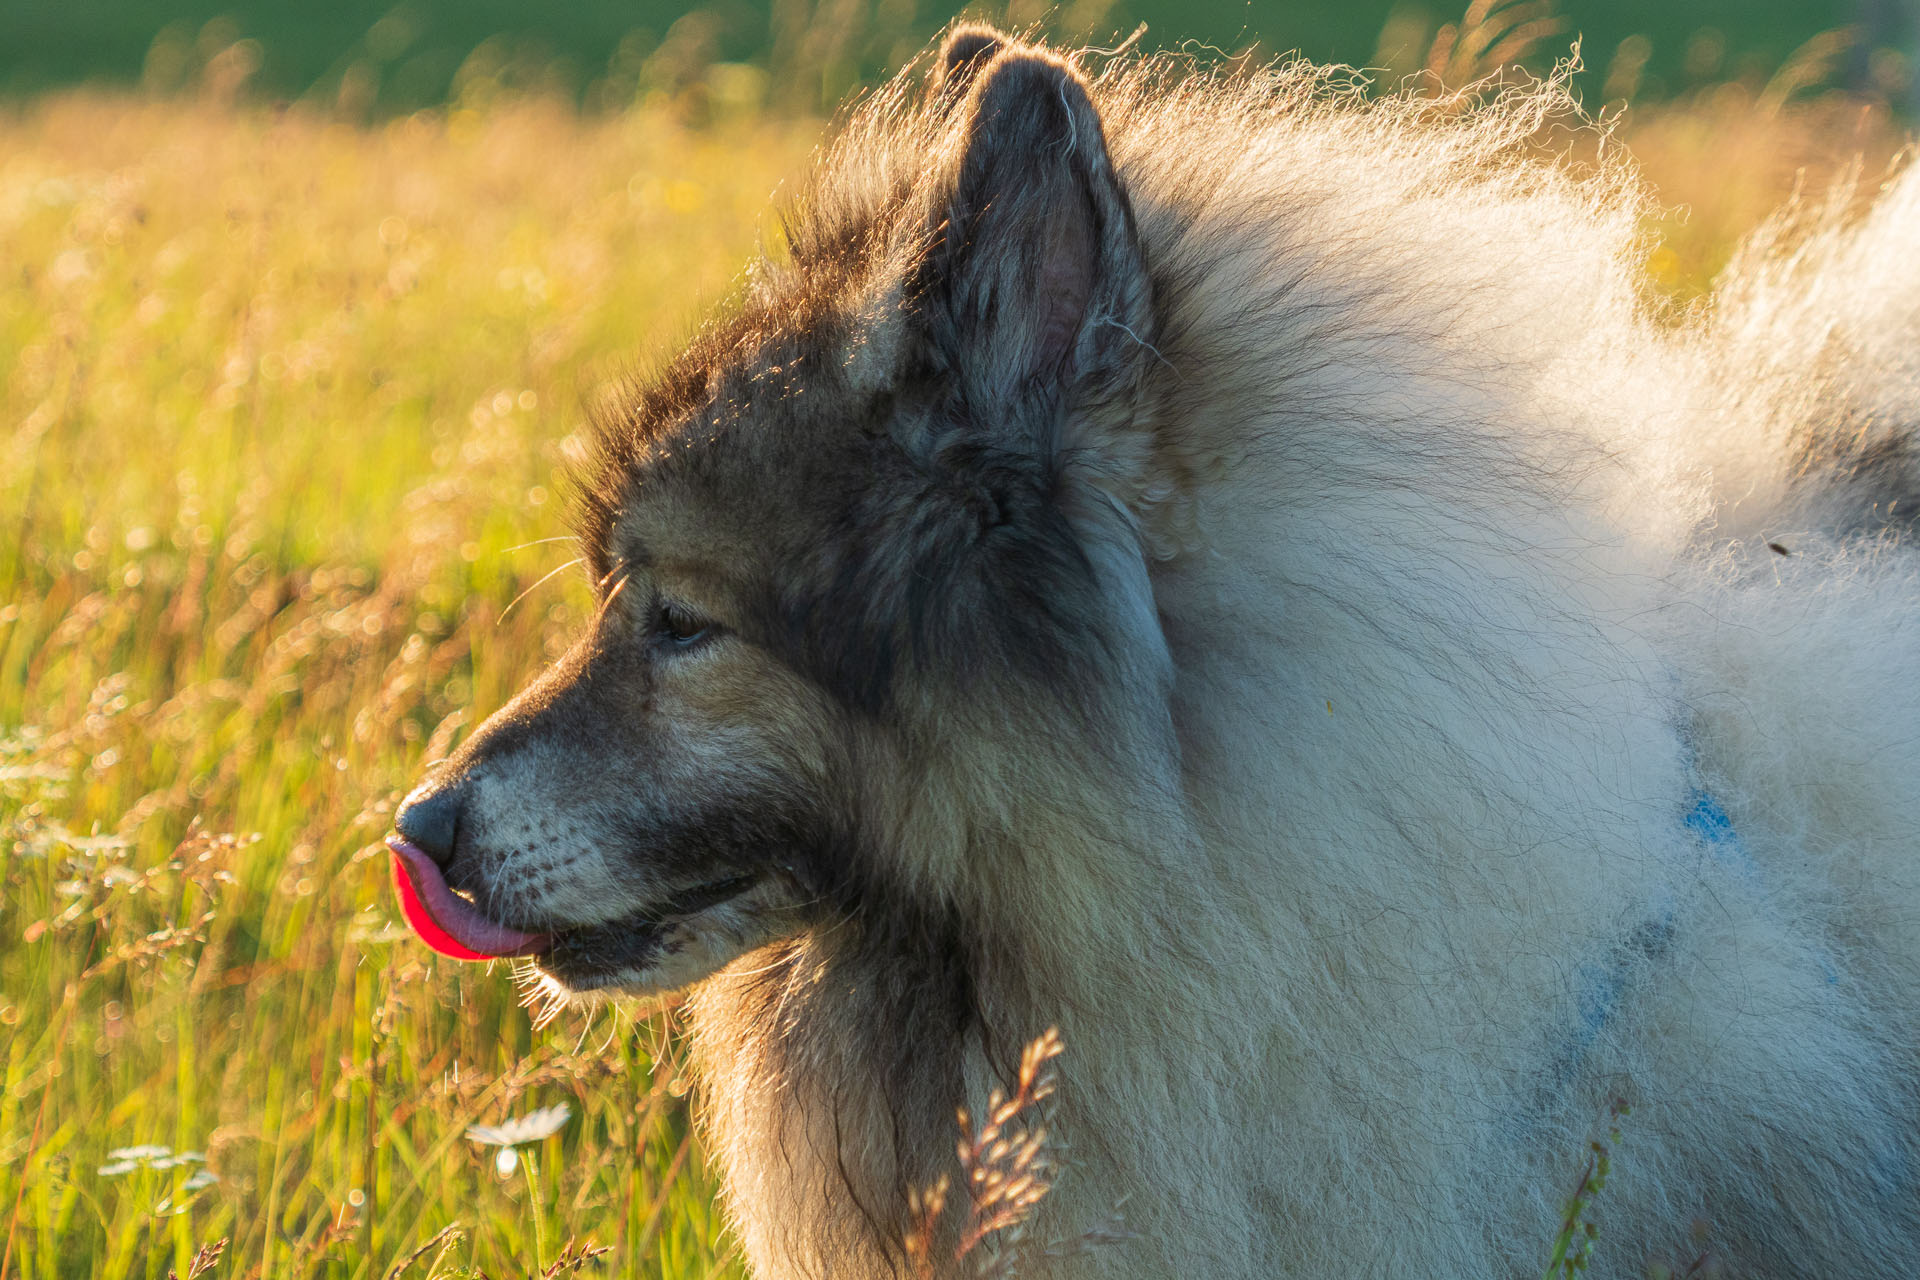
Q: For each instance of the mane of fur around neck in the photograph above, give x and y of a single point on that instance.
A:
(1389, 337)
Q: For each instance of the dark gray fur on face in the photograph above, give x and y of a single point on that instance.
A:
(1026, 302)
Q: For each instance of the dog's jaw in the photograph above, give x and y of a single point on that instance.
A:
(655, 954)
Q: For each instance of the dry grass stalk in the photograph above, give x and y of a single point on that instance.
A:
(1490, 36)
(573, 1258)
(205, 1259)
(1006, 1170)
(1812, 64)
(437, 1245)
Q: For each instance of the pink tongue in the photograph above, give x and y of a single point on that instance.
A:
(444, 920)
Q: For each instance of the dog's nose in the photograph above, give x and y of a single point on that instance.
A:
(429, 819)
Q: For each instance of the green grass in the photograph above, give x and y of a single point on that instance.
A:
(282, 402)
(286, 412)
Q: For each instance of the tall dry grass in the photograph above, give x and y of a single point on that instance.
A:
(286, 409)
(286, 406)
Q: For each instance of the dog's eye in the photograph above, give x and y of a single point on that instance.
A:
(677, 627)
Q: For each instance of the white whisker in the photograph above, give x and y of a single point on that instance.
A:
(540, 542)
(530, 590)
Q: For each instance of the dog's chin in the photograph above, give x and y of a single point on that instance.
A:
(652, 954)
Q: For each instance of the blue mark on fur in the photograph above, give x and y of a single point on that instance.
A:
(1707, 820)
(1602, 984)
(1605, 983)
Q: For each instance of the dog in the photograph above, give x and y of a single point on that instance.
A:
(1236, 570)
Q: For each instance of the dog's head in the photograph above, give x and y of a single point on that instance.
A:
(893, 494)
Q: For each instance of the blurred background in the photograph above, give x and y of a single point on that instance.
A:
(305, 310)
(374, 56)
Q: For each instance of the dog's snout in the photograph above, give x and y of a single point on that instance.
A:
(430, 819)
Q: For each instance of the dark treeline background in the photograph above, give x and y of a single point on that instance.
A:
(376, 57)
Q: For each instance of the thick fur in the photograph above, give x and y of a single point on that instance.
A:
(1238, 571)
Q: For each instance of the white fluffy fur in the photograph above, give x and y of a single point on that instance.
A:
(1457, 555)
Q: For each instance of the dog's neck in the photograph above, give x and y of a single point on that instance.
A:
(832, 1065)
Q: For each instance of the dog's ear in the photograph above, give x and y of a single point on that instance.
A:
(1032, 294)
(967, 49)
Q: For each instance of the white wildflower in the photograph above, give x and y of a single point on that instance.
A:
(148, 1156)
(146, 1152)
(200, 1180)
(532, 1127)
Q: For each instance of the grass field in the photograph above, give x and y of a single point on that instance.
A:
(283, 401)
(285, 420)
